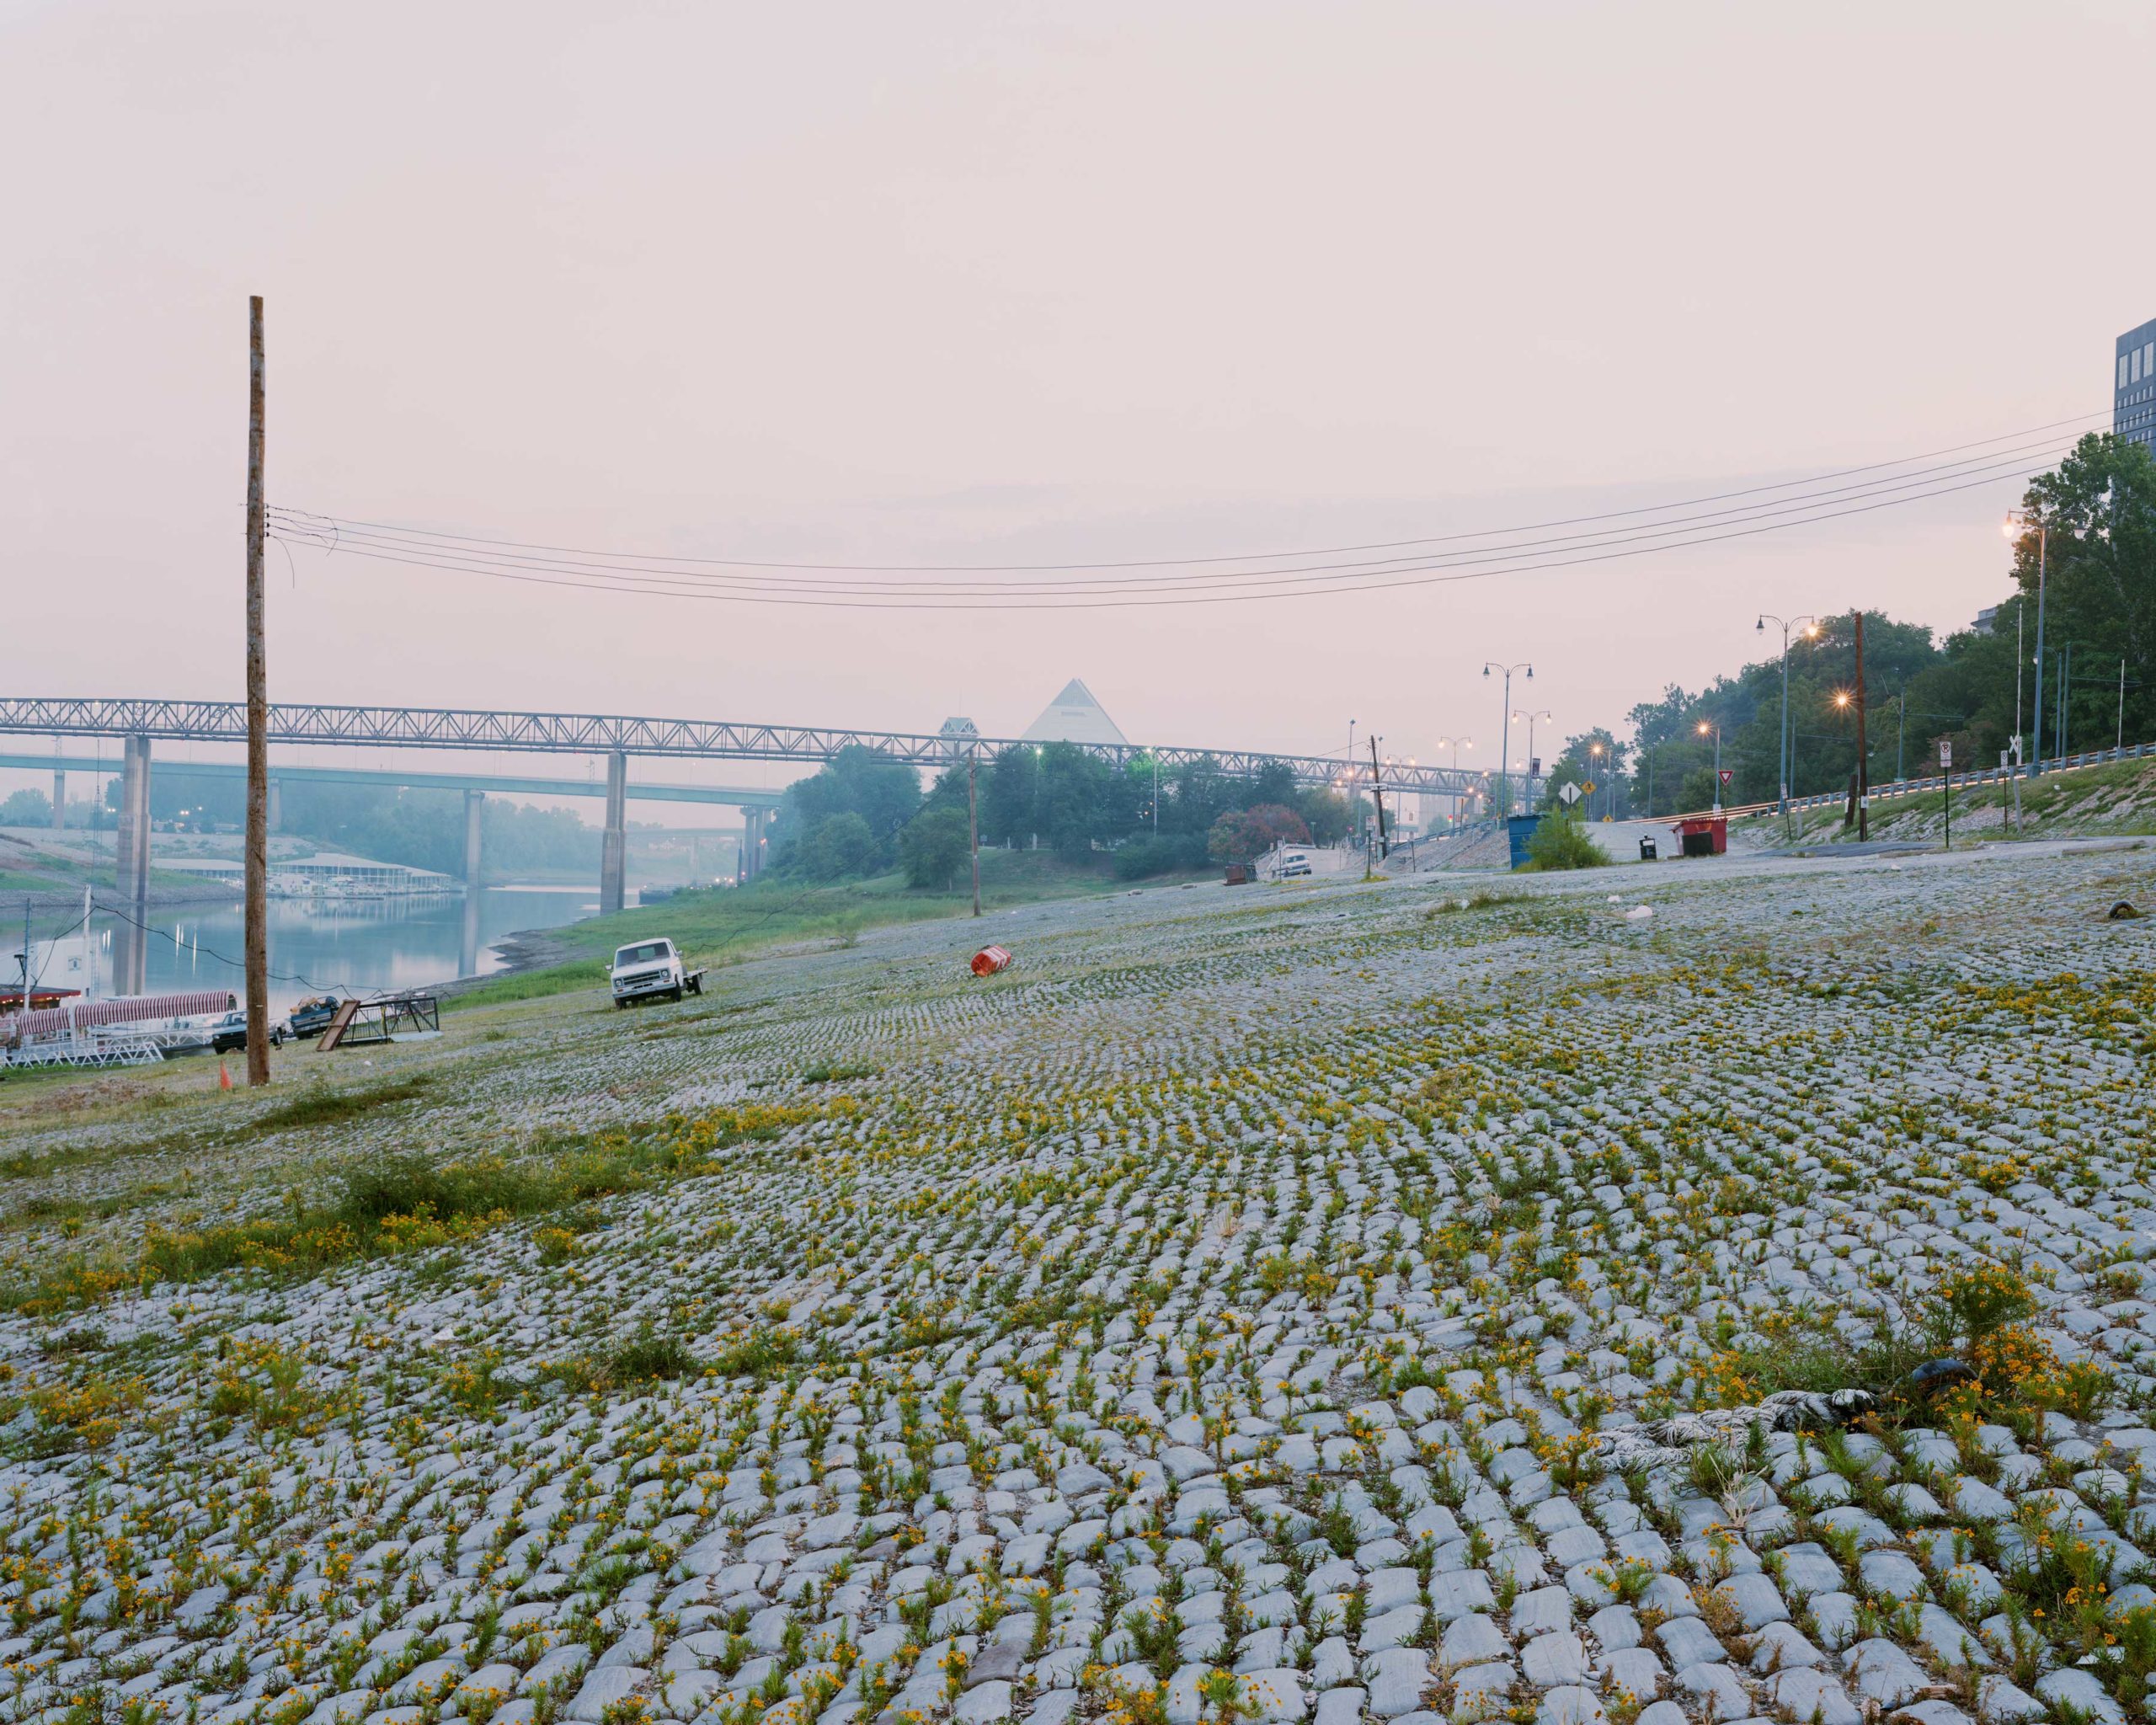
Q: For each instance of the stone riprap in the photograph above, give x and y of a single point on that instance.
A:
(1212, 1317)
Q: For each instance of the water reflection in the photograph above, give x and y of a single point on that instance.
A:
(357, 945)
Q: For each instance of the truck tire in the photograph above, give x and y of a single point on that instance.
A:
(674, 995)
(620, 1006)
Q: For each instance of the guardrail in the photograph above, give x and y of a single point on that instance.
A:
(1975, 777)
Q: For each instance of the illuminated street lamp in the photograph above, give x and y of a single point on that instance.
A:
(1705, 727)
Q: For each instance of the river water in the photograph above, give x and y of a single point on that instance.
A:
(362, 945)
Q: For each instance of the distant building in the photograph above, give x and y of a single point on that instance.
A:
(1074, 717)
(2133, 400)
(1985, 619)
(959, 735)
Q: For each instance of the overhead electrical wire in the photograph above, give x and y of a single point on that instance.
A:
(416, 546)
(1095, 586)
(2031, 432)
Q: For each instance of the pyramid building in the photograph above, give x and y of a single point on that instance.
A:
(1074, 717)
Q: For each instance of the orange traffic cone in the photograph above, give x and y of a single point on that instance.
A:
(224, 1078)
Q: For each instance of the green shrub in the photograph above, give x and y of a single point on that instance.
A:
(1559, 843)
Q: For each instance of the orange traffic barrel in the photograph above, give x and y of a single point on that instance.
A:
(991, 959)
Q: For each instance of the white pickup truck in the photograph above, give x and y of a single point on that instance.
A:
(648, 969)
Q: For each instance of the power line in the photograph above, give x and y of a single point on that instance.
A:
(222, 958)
(1265, 556)
(630, 568)
(652, 586)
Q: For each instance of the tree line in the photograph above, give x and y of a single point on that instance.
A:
(864, 814)
(1972, 690)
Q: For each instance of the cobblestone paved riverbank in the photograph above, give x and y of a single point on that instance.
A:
(1212, 1317)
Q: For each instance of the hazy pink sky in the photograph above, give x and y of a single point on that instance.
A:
(986, 281)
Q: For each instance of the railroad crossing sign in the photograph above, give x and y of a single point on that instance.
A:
(1569, 795)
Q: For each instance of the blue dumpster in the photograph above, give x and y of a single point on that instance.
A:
(1519, 832)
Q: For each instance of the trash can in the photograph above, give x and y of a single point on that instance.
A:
(1647, 851)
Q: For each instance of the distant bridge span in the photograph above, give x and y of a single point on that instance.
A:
(616, 737)
(597, 733)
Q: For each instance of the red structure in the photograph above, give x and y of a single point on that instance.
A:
(1702, 835)
(991, 959)
(131, 1009)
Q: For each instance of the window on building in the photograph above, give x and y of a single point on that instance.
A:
(2136, 377)
(2122, 365)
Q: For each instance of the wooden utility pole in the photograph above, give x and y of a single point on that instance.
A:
(1863, 762)
(257, 729)
(973, 829)
(1377, 791)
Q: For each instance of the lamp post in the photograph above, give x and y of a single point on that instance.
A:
(1456, 744)
(1811, 633)
(2017, 526)
(1841, 705)
(1705, 727)
(1530, 718)
(1595, 751)
(1504, 780)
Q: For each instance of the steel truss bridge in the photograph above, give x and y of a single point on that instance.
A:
(595, 733)
(138, 723)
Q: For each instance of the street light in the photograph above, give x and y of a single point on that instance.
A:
(1595, 749)
(1456, 744)
(1530, 718)
(1504, 782)
(2016, 526)
(1811, 633)
(1705, 727)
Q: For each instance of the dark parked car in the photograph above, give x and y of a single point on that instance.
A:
(229, 1034)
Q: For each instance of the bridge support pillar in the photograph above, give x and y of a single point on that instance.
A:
(752, 843)
(276, 805)
(59, 800)
(474, 802)
(131, 875)
(613, 847)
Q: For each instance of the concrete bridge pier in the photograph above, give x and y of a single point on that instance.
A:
(474, 802)
(613, 847)
(752, 843)
(59, 799)
(131, 873)
(276, 805)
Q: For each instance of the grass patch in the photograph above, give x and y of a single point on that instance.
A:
(722, 925)
(646, 1357)
(320, 1105)
(1480, 900)
(1974, 1316)
(408, 1205)
(824, 1073)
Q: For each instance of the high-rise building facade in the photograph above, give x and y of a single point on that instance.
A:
(2133, 400)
